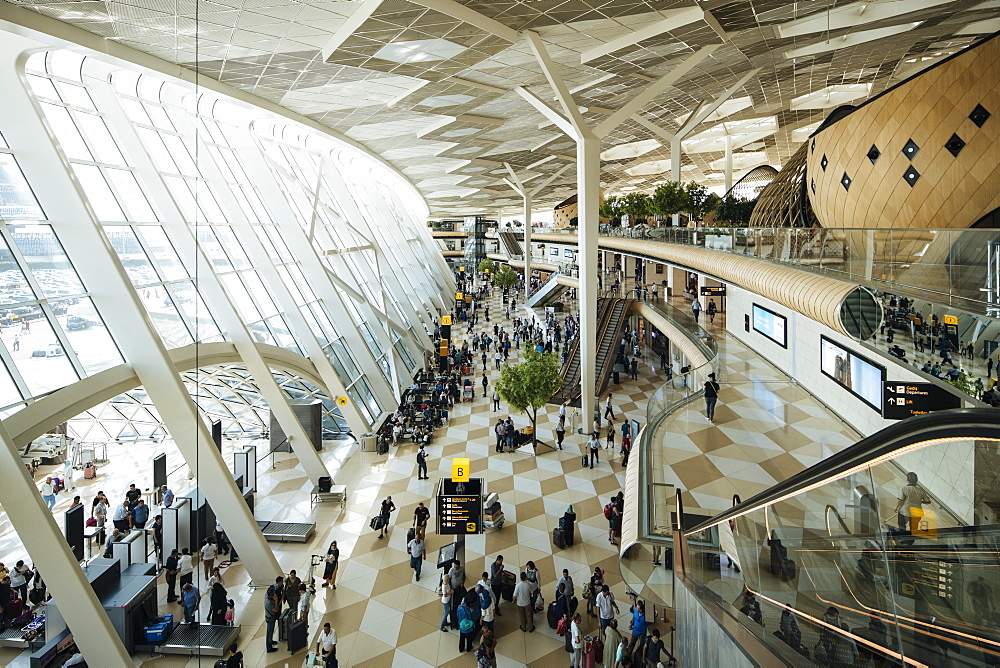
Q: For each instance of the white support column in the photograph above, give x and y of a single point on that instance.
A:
(527, 244)
(588, 182)
(675, 168)
(126, 318)
(38, 532)
(729, 162)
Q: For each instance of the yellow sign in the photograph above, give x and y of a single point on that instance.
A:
(460, 469)
(470, 527)
(951, 320)
(459, 296)
(341, 401)
(461, 268)
(446, 320)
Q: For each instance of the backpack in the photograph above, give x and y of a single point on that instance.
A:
(607, 511)
(466, 624)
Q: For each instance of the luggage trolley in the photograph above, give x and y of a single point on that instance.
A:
(493, 517)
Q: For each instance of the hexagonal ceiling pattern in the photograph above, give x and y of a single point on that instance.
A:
(429, 84)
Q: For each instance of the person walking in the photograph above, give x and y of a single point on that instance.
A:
(208, 553)
(416, 549)
(496, 582)
(594, 444)
(185, 566)
(711, 396)
(49, 493)
(576, 642)
(189, 599)
(384, 512)
(607, 608)
(523, 598)
(696, 309)
(712, 310)
(634, 369)
(446, 594)
(420, 516)
(610, 443)
(560, 434)
(486, 381)
(609, 410)
(637, 626)
(496, 400)
(332, 560)
(326, 646)
(422, 463)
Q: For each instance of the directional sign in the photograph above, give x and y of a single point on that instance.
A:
(460, 507)
(901, 400)
(713, 291)
(460, 469)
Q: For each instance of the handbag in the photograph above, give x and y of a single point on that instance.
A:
(91, 522)
(561, 627)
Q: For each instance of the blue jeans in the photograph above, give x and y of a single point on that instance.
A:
(510, 444)
(269, 638)
(446, 616)
(416, 563)
(50, 500)
(710, 407)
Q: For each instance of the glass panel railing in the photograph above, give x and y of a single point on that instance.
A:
(949, 267)
(888, 551)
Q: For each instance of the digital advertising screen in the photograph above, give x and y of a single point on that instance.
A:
(859, 375)
(770, 324)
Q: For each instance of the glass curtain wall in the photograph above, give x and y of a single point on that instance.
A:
(51, 335)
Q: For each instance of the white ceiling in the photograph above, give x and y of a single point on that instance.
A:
(429, 84)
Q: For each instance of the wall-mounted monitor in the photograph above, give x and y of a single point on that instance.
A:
(770, 324)
(554, 251)
(568, 253)
(862, 377)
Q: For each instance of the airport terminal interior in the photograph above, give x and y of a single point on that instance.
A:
(405, 333)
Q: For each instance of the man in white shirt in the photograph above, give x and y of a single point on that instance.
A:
(522, 598)
(326, 645)
(606, 607)
(121, 518)
(576, 642)
(416, 549)
(48, 493)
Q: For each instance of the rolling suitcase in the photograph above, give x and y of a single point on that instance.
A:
(585, 461)
(790, 568)
(283, 624)
(598, 646)
(508, 586)
(298, 635)
(559, 538)
(410, 534)
(553, 614)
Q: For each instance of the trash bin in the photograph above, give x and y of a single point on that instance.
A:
(368, 442)
(615, 377)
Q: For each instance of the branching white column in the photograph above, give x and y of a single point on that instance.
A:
(527, 195)
(126, 318)
(37, 530)
(588, 175)
(729, 162)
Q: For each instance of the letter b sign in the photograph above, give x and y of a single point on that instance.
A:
(460, 469)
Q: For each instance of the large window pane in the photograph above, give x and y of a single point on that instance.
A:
(14, 286)
(8, 390)
(46, 260)
(281, 332)
(66, 132)
(138, 267)
(87, 335)
(39, 356)
(163, 253)
(98, 194)
(157, 151)
(102, 145)
(76, 95)
(194, 308)
(17, 202)
(160, 307)
(239, 296)
(259, 293)
(131, 196)
(233, 248)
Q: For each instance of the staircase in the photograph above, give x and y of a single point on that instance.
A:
(610, 319)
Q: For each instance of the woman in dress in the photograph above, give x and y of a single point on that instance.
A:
(330, 570)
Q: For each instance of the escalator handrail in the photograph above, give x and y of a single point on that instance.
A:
(605, 307)
(956, 423)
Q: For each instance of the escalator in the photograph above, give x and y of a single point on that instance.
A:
(888, 551)
(610, 319)
(511, 243)
(546, 292)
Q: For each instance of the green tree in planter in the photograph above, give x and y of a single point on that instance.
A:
(670, 198)
(638, 206)
(711, 204)
(696, 195)
(528, 386)
(735, 211)
(505, 277)
(485, 264)
(611, 208)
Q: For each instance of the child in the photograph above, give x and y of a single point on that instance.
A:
(230, 612)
